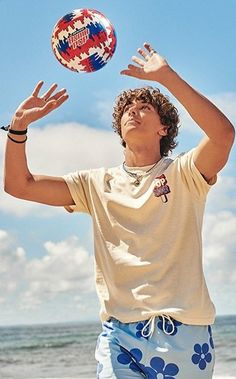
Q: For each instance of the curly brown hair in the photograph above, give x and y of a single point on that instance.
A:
(168, 114)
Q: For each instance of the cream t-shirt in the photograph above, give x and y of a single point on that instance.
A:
(147, 240)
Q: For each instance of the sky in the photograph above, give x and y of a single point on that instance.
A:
(46, 254)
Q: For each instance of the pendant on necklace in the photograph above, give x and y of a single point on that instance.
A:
(137, 181)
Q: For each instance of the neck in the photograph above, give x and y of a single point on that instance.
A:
(142, 156)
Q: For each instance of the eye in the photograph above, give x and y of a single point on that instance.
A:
(145, 106)
(126, 108)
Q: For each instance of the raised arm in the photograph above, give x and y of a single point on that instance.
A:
(212, 153)
(18, 180)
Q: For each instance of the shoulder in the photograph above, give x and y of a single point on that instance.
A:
(186, 170)
(99, 175)
(184, 160)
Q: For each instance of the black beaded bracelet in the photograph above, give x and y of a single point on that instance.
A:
(14, 140)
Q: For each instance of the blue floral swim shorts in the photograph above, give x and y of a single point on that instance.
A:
(158, 348)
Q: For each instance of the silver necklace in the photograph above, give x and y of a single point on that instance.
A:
(139, 177)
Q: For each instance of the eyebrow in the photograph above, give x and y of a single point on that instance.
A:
(142, 102)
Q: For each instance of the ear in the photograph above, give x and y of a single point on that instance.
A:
(163, 131)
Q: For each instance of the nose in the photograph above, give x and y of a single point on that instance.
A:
(133, 110)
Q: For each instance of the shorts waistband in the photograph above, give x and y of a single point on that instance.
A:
(149, 326)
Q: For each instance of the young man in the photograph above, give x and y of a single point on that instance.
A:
(147, 216)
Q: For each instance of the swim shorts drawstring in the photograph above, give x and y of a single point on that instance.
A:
(151, 322)
(164, 317)
(150, 330)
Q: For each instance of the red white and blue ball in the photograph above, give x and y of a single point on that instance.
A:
(84, 40)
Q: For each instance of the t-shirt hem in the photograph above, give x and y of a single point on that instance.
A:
(188, 321)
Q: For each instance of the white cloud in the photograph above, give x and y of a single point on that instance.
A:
(58, 149)
(65, 268)
(220, 247)
(220, 259)
(104, 109)
(222, 195)
(12, 265)
(21, 208)
(224, 101)
(219, 243)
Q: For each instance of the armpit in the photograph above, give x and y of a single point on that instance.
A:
(210, 181)
(69, 208)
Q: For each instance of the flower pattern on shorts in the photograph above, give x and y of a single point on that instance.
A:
(139, 328)
(131, 358)
(159, 369)
(201, 356)
(211, 342)
(168, 326)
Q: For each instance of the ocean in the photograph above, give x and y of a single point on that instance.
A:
(67, 350)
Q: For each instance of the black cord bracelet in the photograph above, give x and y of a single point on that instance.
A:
(17, 132)
(13, 140)
(13, 131)
(5, 128)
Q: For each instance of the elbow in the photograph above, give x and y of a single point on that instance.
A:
(17, 185)
(233, 131)
(14, 190)
(227, 139)
(6, 187)
(231, 135)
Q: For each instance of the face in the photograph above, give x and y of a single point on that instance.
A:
(140, 121)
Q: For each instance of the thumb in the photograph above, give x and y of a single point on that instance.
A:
(125, 72)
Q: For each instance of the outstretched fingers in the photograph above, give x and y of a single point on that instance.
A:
(58, 94)
(37, 88)
(47, 94)
(149, 48)
(56, 101)
(137, 60)
(132, 70)
(63, 97)
(146, 54)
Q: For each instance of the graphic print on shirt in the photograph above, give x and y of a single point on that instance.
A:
(161, 188)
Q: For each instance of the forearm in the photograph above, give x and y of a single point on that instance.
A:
(16, 169)
(210, 119)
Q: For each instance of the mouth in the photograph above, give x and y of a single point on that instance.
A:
(132, 120)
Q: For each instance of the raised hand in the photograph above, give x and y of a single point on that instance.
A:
(150, 67)
(36, 107)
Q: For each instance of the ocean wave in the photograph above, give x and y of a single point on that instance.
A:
(43, 345)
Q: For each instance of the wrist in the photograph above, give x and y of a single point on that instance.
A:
(168, 75)
(18, 123)
(18, 139)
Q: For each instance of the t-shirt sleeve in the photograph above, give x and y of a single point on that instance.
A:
(191, 176)
(78, 184)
